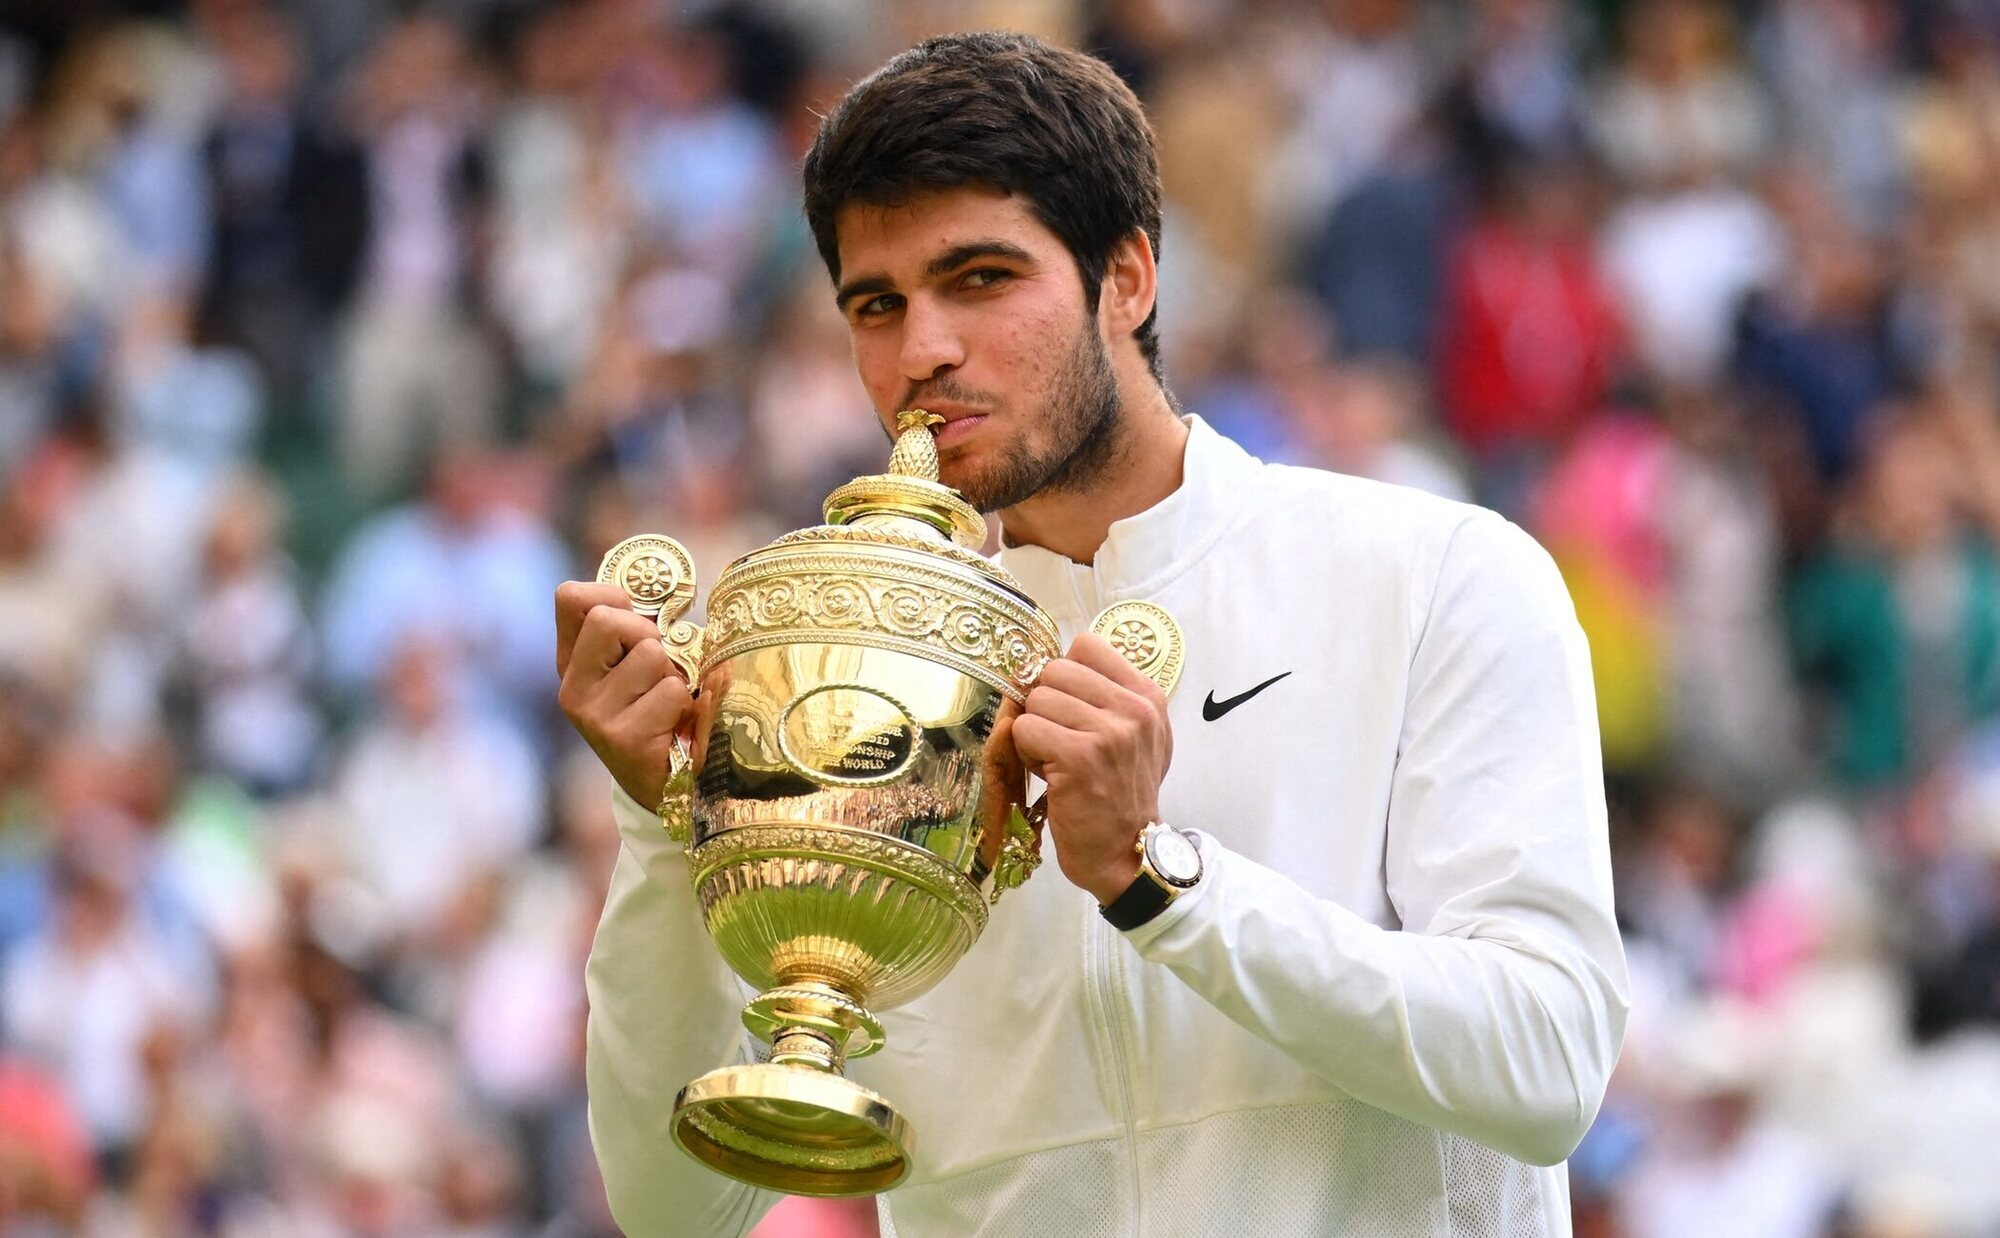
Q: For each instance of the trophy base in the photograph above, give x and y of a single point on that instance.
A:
(794, 1129)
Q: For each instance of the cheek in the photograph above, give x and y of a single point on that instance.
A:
(1029, 351)
(875, 362)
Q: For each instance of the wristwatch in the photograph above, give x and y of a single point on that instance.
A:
(1169, 863)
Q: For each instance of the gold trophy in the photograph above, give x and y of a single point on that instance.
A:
(847, 819)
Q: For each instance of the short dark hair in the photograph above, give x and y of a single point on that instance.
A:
(1056, 127)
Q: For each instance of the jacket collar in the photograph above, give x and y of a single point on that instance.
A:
(1143, 552)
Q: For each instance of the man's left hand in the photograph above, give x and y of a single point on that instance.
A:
(1095, 730)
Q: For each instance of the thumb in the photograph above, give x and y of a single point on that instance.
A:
(1005, 781)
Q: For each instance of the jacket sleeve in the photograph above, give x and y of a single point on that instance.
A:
(1497, 1010)
(664, 1008)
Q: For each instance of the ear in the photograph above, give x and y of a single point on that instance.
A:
(1131, 283)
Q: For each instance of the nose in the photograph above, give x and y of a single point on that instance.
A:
(931, 341)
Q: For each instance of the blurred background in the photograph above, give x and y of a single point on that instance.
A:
(334, 333)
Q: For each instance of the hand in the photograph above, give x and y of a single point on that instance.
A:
(619, 689)
(1095, 730)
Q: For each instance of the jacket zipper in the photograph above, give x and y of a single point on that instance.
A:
(1107, 989)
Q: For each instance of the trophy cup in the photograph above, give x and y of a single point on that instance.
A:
(848, 821)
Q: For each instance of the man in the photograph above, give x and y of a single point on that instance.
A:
(1390, 1000)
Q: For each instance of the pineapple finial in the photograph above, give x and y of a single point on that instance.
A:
(915, 453)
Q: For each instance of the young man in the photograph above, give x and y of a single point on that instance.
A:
(1391, 999)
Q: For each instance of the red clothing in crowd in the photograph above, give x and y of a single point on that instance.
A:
(1530, 336)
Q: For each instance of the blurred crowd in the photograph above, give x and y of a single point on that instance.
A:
(344, 329)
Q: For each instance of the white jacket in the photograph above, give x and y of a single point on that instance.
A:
(1397, 991)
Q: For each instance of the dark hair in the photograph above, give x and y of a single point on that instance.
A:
(1056, 127)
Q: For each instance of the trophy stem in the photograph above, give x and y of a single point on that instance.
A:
(799, 1046)
(813, 1023)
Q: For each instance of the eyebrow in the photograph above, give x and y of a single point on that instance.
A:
(946, 262)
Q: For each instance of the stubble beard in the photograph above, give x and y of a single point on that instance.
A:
(1082, 413)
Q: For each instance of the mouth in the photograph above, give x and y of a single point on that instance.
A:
(959, 419)
(958, 427)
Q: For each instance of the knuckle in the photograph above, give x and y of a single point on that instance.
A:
(586, 726)
(651, 654)
(620, 735)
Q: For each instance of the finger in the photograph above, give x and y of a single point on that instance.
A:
(637, 673)
(663, 709)
(1009, 710)
(1005, 782)
(1000, 740)
(1085, 683)
(1095, 652)
(608, 632)
(641, 734)
(1064, 710)
(1042, 742)
(574, 600)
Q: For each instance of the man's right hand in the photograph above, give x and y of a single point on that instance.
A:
(619, 689)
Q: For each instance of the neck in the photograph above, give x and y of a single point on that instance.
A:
(1145, 468)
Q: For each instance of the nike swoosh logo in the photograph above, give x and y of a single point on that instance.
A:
(1211, 709)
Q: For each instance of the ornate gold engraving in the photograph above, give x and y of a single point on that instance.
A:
(849, 535)
(1148, 638)
(655, 572)
(850, 597)
(850, 849)
(847, 735)
(677, 797)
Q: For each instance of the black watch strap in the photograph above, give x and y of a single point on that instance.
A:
(1141, 901)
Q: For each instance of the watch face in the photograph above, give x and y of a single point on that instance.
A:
(1173, 856)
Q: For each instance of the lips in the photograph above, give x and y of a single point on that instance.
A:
(959, 427)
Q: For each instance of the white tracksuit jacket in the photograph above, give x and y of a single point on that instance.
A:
(1389, 1008)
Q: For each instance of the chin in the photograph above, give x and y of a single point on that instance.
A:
(955, 468)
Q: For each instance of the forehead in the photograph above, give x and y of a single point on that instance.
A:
(883, 239)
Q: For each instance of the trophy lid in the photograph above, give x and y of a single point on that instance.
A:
(909, 496)
(898, 560)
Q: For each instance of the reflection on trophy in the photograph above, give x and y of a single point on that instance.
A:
(848, 822)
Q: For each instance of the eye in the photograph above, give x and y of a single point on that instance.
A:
(876, 307)
(984, 277)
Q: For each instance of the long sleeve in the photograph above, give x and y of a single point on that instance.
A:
(1497, 1010)
(663, 1009)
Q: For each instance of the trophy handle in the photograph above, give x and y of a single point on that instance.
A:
(684, 643)
(657, 574)
(1149, 638)
(1021, 850)
(676, 806)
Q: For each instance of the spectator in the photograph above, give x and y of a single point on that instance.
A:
(413, 363)
(439, 798)
(290, 206)
(471, 558)
(1530, 337)
(1897, 618)
(85, 994)
(248, 649)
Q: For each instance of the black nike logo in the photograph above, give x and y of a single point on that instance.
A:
(1211, 709)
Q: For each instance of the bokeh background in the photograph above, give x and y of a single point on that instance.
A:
(334, 333)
